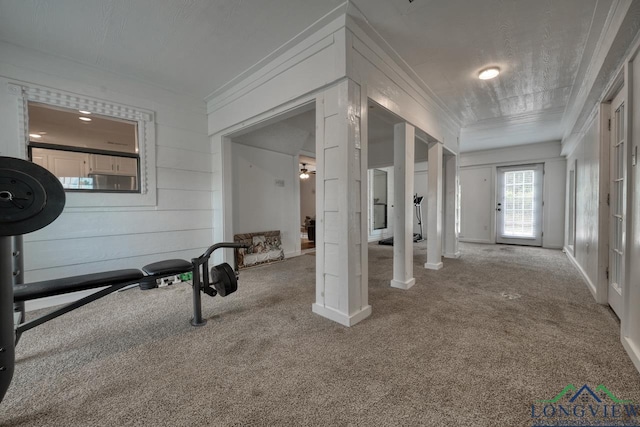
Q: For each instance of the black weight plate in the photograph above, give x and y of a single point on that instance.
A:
(224, 279)
(31, 197)
(21, 196)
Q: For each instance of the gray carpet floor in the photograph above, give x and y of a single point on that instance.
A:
(474, 344)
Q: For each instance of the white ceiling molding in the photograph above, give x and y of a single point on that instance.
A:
(621, 28)
(358, 19)
(264, 63)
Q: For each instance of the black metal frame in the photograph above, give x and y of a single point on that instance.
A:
(201, 270)
(23, 327)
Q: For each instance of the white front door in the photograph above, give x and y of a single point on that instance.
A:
(519, 205)
(617, 204)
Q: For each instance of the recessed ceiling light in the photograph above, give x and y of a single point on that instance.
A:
(489, 73)
(84, 112)
(35, 135)
(85, 119)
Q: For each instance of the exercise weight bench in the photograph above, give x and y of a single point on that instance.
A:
(31, 198)
(223, 276)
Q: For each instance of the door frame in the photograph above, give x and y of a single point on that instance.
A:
(604, 226)
(619, 99)
(497, 192)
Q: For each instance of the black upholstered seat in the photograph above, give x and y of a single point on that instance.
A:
(168, 267)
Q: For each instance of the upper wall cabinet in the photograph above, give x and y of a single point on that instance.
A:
(62, 163)
(112, 165)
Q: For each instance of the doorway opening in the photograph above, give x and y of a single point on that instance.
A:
(265, 184)
(307, 203)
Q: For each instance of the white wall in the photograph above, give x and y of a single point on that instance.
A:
(476, 204)
(631, 324)
(586, 156)
(264, 194)
(478, 185)
(86, 240)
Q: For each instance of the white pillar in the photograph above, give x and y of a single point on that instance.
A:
(341, 275)
(403, 166)
(450, 204)
(434, 208)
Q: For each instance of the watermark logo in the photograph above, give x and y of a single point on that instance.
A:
(584, 406)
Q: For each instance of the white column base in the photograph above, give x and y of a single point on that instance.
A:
(432, 266)
(454, 255)
(339, 317)
(403, 285)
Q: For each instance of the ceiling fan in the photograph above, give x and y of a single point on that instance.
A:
(304, 173)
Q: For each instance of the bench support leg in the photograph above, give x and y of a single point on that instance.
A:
(7, 336)
(197, 298)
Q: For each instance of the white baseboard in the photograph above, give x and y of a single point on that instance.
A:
(632, 350)
(431, 266)
(339, 317)
(461, 239)
(292, 254)
(584, 275)
(403, 285)
(454, 255)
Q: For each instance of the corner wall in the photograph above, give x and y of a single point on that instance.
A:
(478, 190)
(264, 194)
(93, 239)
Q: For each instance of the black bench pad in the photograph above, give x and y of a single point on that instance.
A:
(168, 267)
(65, 285)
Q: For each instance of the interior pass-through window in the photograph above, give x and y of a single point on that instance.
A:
(88, 152)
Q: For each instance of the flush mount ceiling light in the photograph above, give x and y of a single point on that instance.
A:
(85, 119)
(35, 135)
(304, 173)
(489, 73)
(84, 112)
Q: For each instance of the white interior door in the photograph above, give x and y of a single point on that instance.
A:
(617, 194)
(519, 205)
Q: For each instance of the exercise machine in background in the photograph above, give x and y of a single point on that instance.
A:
(417, 237)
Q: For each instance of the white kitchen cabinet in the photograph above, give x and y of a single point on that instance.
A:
(62, 163)
(40, 158)
(101, 164)
(126, 166)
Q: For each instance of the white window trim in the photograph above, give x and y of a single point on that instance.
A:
(146, 141)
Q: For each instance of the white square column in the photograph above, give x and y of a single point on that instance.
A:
(341, 246)
(451, 206)
(434, 208)
(403, 167)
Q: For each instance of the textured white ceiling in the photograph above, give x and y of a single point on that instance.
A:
(193, 46)
(538, 44)
(197, 46)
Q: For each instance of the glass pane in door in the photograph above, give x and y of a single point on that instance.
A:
(519, 207)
